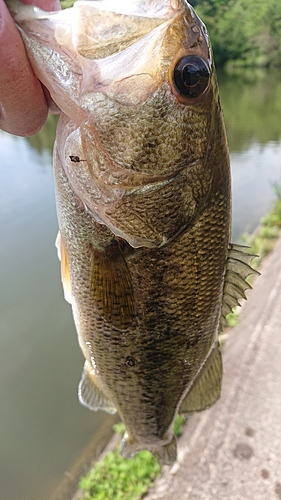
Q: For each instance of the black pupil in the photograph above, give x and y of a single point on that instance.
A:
(191, 76)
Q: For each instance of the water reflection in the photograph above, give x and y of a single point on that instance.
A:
(254, 171)
(44, 141)
(42, 425)
(251, 108)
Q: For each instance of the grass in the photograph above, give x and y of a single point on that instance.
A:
(66, 4)
(262, 242)
(115, 478)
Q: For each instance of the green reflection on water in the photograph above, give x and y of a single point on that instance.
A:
(251, 104)
(252, 108)
(44, 140)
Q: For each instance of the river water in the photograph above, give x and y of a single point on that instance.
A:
(42, 426)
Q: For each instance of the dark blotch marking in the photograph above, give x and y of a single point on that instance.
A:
(277, 489)
(130, 361)
(249, 431)
(243, 451)
(264, 473)
(75, 158)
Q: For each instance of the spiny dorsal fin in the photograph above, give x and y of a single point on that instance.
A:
(64, 267)
(206, 388)
(89, 393)
(238, 268)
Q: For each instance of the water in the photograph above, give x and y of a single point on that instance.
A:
(42, 426)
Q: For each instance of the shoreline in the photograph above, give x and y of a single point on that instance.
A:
(101, 443)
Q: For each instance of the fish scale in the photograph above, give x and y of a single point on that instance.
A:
(144, 206)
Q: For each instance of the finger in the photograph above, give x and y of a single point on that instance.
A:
(23, 107)
(47, 5)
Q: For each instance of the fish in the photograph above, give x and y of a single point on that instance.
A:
(143, 194)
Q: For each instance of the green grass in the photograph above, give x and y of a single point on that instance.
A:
(178, 425)
(116, 478)
(65, 4)
(262, 242)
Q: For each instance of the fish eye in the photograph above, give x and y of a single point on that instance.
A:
(191, 76)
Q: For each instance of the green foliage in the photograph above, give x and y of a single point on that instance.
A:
(66, 4)
(277, 189)
(119, 428)
(232, 319)
(262, 242)
(252, 106)
(243, 32)
(115, 478)
(178, 425)
(45, 139)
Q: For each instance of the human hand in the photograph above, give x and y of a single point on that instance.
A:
(23, 101)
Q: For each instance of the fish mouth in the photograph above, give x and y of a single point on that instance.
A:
(118, 48)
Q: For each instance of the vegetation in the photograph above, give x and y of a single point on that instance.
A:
(115, 478)
(45, 139)
(251, 106)
(244, 33)
(262, 242)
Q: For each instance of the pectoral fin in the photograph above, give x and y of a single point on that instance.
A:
(206, 388)
(89, 393)
(112, 289)
(64, 266)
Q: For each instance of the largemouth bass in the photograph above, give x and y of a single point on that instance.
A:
(144, 207)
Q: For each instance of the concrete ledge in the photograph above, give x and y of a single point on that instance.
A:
(233, 450)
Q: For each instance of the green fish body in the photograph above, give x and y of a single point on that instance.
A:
(144, 206)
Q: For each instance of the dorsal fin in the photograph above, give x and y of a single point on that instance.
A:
(238, 268)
